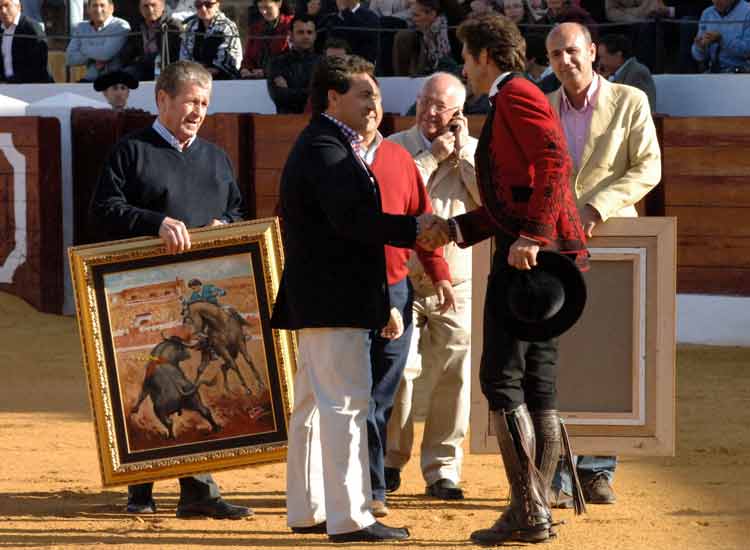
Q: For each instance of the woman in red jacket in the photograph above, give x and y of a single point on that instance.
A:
(267, 38)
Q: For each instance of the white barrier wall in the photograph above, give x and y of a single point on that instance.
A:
(676, 95)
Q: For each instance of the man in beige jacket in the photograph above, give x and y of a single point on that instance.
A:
(616, 161)
(443, 151)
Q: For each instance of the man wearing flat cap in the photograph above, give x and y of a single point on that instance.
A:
(115, 87)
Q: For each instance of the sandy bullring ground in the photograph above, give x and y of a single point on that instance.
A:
(50, 494)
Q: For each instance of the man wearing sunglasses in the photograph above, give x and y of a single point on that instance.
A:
(213, 40)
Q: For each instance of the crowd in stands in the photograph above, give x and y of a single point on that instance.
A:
(402, 37)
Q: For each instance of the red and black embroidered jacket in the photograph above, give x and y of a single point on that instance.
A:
(523, 172)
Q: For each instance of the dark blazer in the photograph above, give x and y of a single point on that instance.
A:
(637, 75)
(335, 229)
(29, 55)
(363, 43)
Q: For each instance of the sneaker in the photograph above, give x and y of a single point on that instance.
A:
(599, 491)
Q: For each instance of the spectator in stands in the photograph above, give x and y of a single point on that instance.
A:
(289, 74)
(336, 47)
(24, 58)
(98, 42)
(722, 47)
(616, 159)
(648, 35)
(143, 53)
(394, 15)
(617, 64)
(115, 87)
(345, 24)
(565, 11)
(267, 38)
(537, 64)
(515, 10)
(212, 40)
(427, 49)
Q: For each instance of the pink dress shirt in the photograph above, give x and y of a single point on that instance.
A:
(577, 123)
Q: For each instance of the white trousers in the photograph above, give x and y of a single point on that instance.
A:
(440, 347)
(328, 470)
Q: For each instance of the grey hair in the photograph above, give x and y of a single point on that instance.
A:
(181, 72)
(456, 82)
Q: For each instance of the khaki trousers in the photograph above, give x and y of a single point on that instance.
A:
(440, 348)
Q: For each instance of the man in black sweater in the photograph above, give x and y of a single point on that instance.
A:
(356, 24)
(289, 74)
(162, 181)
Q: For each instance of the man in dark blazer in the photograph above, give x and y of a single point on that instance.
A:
(334, 292)
(618, 64)
(23, 59)
(143, 51)
(523, 173)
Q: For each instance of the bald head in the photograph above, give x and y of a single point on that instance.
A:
(442, 96)
(571, 55)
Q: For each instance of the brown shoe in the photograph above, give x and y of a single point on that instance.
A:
(561, 499)
(598, 491)
(378, 508)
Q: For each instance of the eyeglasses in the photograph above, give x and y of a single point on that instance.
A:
(207, 5)
(441, 108)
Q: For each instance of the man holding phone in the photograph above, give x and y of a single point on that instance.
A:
(443, 151)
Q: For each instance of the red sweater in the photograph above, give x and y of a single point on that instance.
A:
(264, 43)
(402, 192)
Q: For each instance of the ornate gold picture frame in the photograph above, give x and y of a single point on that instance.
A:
(616, 384)
(185, 373)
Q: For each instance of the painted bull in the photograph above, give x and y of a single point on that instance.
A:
(168, 387)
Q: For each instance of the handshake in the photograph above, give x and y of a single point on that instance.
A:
(434, 232)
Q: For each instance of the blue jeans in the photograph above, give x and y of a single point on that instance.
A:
(588, 467)
(388, 361)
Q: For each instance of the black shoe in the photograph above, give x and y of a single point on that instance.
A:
(216, 508)
(373, 533)
(392, 479)
(317, 529)
(445, 489)
(148, 507)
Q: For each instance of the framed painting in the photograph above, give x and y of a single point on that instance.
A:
(185, 373)
(616, 384)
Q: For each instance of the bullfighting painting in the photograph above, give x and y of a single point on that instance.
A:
(185, 373)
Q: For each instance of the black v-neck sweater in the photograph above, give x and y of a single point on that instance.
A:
(146, 179)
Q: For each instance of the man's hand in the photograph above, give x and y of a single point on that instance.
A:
(590, 218)
(443, 146)
(280, 82)
(215, 222)
(703, 40)
(247, 73)
(445, 296)
(433, 232)
(175, 235)
(395, 327)
(522, 253)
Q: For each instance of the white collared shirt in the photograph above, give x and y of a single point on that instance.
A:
(107, 21)
(7, 46)
(496, 84)
(368, 155)
(160, 129)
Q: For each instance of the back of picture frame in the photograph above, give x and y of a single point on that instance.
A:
(185, 373)
(616, 383)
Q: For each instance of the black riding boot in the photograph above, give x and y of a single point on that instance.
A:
(528, 518)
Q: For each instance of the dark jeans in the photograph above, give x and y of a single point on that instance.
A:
(388, 361)
(192, 489)
(512, 371)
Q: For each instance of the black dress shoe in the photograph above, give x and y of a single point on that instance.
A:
(445, 489)
(216, 508)
(141, 507)
(392, 479)
(317, 529)
(373, 533)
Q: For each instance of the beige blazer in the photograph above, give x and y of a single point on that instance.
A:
(452, 187)
(621, 160)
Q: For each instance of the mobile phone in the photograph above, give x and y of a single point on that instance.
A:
(452, 125)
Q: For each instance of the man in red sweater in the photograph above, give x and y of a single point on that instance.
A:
(402, 192)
